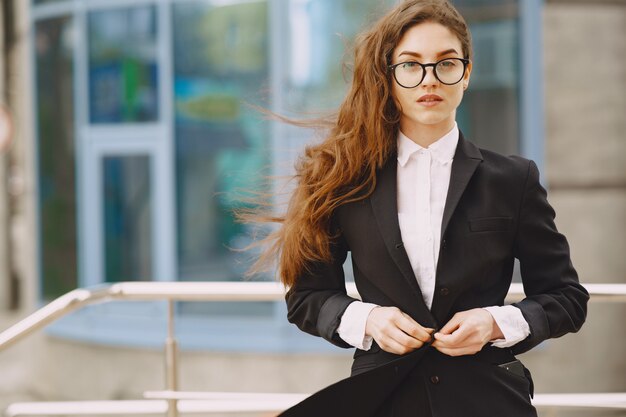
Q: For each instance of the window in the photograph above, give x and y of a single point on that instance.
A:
(122, 65)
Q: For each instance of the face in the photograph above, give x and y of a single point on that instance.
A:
(431, 106)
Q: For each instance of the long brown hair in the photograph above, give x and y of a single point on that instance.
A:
(362, 136)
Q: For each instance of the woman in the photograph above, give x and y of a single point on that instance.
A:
(433, 224)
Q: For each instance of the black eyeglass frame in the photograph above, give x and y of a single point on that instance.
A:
(392, 68)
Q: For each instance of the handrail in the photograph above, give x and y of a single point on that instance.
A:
(140, 291)
(208, 291)
(197, 291)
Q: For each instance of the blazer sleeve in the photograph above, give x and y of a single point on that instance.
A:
(318, 300)
(555, 303)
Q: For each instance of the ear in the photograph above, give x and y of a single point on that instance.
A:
(466, 77)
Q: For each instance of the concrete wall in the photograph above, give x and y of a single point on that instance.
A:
(585, 92)
(585, 160)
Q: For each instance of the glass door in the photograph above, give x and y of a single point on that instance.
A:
(125, 206)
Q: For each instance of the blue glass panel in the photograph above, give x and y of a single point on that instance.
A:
(122, 65)
(127, 218)
(220, 65)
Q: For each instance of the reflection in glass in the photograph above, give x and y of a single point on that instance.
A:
(127, 218)
(318, 43)
(122, 65)
(220, 64)
(56, 152)
(494, 86)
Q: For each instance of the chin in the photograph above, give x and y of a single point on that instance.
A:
(431, 119)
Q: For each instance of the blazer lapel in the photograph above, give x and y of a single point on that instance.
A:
(467, 157)
(385, 207)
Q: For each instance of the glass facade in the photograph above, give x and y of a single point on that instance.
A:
(132, 86)
(221, 67)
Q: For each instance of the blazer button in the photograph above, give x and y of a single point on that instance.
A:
(444, 291)
(434, 379)
(444, 244)
(399, 245)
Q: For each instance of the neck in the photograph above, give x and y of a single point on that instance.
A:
(426, 135)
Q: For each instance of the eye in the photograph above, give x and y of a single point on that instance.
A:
(448, 63)
(410, 66)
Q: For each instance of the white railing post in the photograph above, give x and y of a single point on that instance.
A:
(171, 361)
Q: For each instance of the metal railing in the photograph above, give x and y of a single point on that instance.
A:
(173, 401)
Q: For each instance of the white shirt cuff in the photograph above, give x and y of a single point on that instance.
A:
(352, 326)
(512, 323)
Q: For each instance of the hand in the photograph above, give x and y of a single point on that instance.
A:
(467, 332)
(395, 331)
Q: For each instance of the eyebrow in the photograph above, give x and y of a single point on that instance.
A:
(417, 55)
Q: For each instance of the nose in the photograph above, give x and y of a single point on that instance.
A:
(429, 77)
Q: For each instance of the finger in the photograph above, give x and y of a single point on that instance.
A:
(466, 350)
(449, 351)
(404, 339)
(456, 338)
(428, 331)
(452, 325)
(390, 345)
(391, 332)
(412, 328)
(441, 344)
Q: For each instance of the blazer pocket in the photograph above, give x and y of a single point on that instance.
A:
(526, 379)
(490, 224)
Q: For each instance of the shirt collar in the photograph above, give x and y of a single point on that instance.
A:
(442, 149)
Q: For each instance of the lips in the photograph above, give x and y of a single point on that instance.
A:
(429, 98)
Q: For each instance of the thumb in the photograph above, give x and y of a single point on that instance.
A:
(451, 326)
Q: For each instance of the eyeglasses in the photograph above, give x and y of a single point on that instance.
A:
(448, 71)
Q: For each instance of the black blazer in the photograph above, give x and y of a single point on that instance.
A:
(496, 210)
